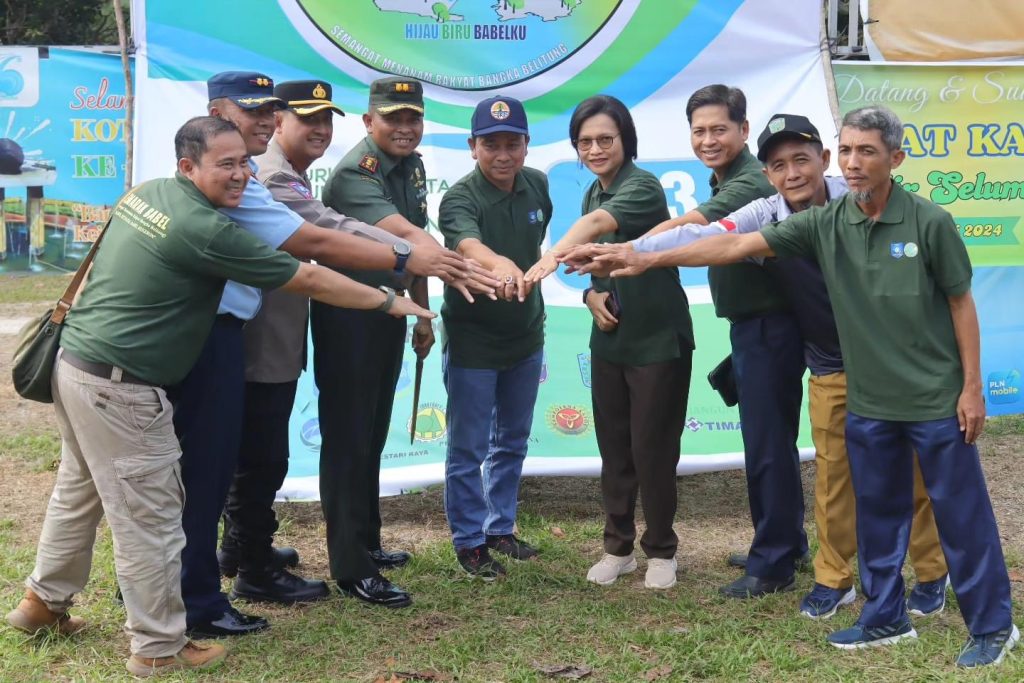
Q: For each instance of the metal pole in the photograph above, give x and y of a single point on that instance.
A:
(129, 91)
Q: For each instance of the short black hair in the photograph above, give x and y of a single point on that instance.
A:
(732, 99)
(614, 109)
(190, 142)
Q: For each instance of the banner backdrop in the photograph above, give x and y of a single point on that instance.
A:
(62, 149)
(551, 54)
(964, 142)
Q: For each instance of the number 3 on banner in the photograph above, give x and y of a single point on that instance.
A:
(682, 187)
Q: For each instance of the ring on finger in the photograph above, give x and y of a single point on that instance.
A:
(509, 279)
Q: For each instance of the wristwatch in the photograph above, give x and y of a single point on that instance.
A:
(388, 300)
(402, 252)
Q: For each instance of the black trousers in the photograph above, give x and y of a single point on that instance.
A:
(249, 519)
(207, 420)
(639, 413)
(357, 356)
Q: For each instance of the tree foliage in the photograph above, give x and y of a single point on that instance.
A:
(58, 22)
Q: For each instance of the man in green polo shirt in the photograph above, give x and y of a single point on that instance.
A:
(497, 215)
(899, 279)
(139, 325)
(767, 349)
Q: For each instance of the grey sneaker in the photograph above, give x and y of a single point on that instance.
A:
(610, 568)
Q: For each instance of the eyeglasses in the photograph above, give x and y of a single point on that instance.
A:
(604, 142)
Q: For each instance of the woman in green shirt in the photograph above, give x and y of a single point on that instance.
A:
(641, 347)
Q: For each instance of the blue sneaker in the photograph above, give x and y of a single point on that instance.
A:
(928, 597)
(858, 636)
(989, 648)
(822, 602)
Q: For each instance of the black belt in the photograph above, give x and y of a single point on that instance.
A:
(104, 370)
(231, 319)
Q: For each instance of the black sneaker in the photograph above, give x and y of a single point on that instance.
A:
(507, 544)
(478, 563)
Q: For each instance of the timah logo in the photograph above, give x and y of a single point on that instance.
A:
(457, 44)
(19, 77)
(1004, 387)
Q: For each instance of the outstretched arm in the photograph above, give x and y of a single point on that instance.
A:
(587, 228)
(712, 251)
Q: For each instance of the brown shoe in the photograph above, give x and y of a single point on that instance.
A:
(192, 656)
(33, 616)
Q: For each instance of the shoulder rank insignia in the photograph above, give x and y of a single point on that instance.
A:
(301, 189)
(369, 162)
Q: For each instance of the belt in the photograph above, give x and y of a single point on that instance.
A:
(231, 319)
(104, 370)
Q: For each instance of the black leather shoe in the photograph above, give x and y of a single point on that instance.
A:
(280, 558)
(739, 560)
(231, 623)
(279, 586)
(389, 560)
(376, 590)
(752, 587)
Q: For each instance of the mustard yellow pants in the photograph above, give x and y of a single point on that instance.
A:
(834, 507)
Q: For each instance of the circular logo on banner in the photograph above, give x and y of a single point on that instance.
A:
(459, 44)
(568, 420)
(431, 422)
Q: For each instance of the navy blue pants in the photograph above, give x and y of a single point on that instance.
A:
(768, 363)
(208, 421)
(881, 466)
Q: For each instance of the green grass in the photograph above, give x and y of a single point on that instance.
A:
(543, 614)
(41, 451)
(16, 289)
(1005, 425)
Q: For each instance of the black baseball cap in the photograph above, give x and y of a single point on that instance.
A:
(499, 115)
(247, 89)
(394, 93)
(785, 127)
(306, 97)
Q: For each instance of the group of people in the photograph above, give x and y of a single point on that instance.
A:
(180, 360)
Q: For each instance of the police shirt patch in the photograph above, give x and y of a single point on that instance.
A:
(369, 162)
(301, 189)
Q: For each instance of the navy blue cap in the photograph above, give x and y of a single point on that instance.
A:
(247, 89)
(499, 115)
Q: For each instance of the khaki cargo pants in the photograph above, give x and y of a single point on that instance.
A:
(120, 459)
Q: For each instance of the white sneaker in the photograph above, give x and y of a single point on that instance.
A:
(660, 573)
(610, 568)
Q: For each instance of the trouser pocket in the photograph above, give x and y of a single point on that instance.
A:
(152, 488)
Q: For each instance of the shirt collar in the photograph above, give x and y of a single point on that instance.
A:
(625, 171)
(493, 194)
(387, 162)
(190, 188)
(274, 158)
(738, 165)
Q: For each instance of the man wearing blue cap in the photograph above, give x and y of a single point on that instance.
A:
(497, 215)
(209, 402)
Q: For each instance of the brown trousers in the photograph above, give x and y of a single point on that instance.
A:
(834, 507)
(639, 413)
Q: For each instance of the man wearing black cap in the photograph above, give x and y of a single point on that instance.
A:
(795, 161)
(497, 215)
(358, 358)
(275, 347)
(209, 402)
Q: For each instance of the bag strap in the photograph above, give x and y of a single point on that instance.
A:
(64, 303)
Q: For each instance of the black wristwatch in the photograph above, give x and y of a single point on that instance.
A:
(388, 300)
(402, 252)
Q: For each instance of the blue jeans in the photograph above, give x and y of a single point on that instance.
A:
(489, 417)
(881, 456)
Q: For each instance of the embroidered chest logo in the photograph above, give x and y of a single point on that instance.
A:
(536, 216)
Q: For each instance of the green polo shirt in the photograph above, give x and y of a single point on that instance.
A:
(741, 290)
(157, 279)
(495, 334)
(889, 281)
(369, 185)
(655, 317)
